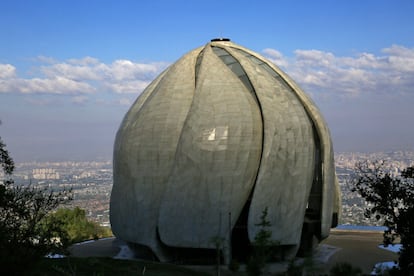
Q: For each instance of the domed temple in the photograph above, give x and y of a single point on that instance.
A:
(217, 138)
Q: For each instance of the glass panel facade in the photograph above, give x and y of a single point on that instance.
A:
(264, 65)
(215, 139)
(234, 66)
(197, 65)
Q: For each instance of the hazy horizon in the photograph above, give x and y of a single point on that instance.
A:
(70, 70)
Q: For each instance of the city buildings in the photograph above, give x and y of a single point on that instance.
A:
(92, 193)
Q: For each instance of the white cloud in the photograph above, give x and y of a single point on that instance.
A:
(127, 86)
(314, 58)
(275, 56)
(318, 72)
(57, 85)
(74, 72)
(84, 61)
(7, 71)
(125, 69)
(400, 58)
(80, 76)
(322, 72)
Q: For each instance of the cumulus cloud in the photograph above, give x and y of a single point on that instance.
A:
(7, 71)
(325, 73)
(127, 70)
(57, 85)
(275, 56)
(84, 61)
(318, 72)
(400, 58)
(80, 76)
(130, 86)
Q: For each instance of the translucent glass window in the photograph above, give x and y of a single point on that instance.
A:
(215, 139)
(216, 133)
(197, 65)
(234, 66)
(264, 65)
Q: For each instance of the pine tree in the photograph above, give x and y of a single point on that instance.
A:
(262, 246)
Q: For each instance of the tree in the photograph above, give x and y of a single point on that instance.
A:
(24, 235)
(76, 225)
(262, 246)
(392, 200)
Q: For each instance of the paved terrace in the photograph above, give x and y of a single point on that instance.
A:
(359, 248)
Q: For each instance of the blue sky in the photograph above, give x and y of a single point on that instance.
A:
(69, 70)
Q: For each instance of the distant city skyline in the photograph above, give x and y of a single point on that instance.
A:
(70, 70)
(92, 182)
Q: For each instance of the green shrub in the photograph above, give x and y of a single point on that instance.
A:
(77, 226)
